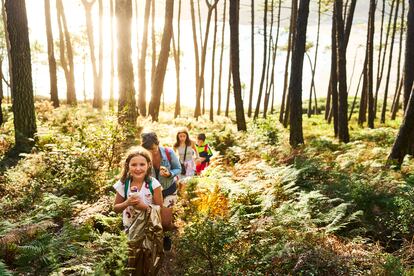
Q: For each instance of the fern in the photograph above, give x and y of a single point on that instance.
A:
(3, 270)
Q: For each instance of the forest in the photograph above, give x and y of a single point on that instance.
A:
(307, 106)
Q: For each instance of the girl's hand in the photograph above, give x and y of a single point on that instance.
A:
(133, 201)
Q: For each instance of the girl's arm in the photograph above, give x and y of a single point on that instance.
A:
(158, 200)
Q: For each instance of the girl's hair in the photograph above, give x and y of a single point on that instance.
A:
(138, 151)
(188, 141)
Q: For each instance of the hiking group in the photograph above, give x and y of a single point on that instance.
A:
(147, 191)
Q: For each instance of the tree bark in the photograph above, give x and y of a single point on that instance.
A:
(51, 57)
(158, 82)
(409, 55)
(21, 70)
(234, 49)
(127, 113)
(221, 59)
(142, 102)
(213, 57)
(249, 109)
(295, 82)
(111, 85)
(343, 132)
(259, 97)
(177, 110)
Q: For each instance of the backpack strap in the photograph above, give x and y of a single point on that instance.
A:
(206, 148)
(168, 154)
(150, 187)
(126, 186)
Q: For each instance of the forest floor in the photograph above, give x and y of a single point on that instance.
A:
(261, 207)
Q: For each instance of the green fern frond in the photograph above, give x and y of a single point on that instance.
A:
(27, 231)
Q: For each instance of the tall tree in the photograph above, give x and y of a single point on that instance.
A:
(213, 58)
(211, 7)
(271, 88)
(51, 57)
(403, 143)
(66, 54)
(380, 75)
(153, 41)
(235, 58)
(142, 84)
(295, 82)
(249, 109)
(22, 88)
(97, 93)
(221, 59)
(177, 54)
(409, 55)
(158, 81)
(257, 110)
(196, 53)
(292, 28)
(394, 29)
(370, 64)
(314, 62)
(111, 85)
(399, 82)
(343, 132)
(126, 104)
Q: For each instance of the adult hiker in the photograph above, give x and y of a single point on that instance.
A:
(166, 168)
(204, 152)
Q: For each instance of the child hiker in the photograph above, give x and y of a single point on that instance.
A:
(204, 152)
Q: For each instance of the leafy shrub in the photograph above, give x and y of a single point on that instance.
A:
(204, 245)
(269, 129)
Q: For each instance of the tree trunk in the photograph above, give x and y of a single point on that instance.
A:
(343, 132)
(272, 82)
(399, 82)
(66, 60)
(111, 88)
(394, 29)
(259, 97)
(403, 144)
(196, 54)
(234, 50)
(177, 110)
(158, 82)
(314, 63)
(295, 82)
(289, 49)
(370, 65)
(249, 110)
(99, 102)
(379, 77)
(21, 70)
(200, 87)
(228, 90)
(1, 92)
(334, 76)
(409, 55)
(126, 104)
(221, 59)
(267, 94)
(153, 41)
(51, 57)
(212, 67)
(142, 103)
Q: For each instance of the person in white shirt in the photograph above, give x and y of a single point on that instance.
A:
(136, 174)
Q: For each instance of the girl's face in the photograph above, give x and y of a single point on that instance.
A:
(138, 167)
(182, 137)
